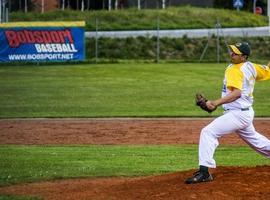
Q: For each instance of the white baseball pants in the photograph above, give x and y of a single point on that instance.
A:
(237, 121)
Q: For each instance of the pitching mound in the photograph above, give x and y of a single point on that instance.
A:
(229, 183)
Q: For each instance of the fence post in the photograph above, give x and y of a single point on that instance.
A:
(218, 36)
(63, 4)
(0, 11)
(268, 13)
(42, 6)
(25, 6)
(96, 40)
(7, 14)
(158, 45)
(116, 5)
(163, 4)
(110, 5)
(82, 5)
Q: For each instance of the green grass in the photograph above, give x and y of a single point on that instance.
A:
(114, 90)
(34, 163)
(13, 197)
(130, 19)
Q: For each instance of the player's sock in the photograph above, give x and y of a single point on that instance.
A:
(204, 169)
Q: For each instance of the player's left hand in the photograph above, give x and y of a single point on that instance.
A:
(210, 105)
(204, 103)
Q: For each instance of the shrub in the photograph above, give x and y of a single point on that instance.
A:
(184, 49)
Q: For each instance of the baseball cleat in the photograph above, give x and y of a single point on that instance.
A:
(199, 177)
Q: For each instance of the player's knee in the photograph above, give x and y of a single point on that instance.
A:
(207, 132)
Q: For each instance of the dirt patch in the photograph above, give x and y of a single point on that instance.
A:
(229, 183)
(112, 131)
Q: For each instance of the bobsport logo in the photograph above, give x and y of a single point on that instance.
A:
(45, 41)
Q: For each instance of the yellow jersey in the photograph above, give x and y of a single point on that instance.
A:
(243, 77)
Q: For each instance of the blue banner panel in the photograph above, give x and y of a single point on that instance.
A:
(42, 42)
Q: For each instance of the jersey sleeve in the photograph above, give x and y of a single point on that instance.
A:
(234, 78)
(263, 72)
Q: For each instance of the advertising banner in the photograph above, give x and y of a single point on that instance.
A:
(42, 41)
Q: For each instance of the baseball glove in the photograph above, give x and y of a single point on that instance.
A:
(201, 101)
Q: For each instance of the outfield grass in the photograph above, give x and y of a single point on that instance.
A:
(114, 90)
(34, 163)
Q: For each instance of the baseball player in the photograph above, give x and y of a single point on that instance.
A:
(236, 100)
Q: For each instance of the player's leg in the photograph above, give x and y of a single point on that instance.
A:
(225, 124)
(255, 140)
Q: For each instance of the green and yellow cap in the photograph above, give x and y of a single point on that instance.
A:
(240, 48)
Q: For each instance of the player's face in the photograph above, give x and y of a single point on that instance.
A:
(237, 58)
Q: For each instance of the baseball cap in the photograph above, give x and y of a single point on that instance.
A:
(241, 48)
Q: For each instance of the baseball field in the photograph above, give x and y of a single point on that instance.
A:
(120, 131)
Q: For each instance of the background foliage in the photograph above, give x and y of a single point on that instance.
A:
(182, 49)
(132, 19)
(174, 49)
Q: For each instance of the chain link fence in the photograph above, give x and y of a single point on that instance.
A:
(158, 45)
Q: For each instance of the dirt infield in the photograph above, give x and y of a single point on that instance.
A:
(229, 183)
